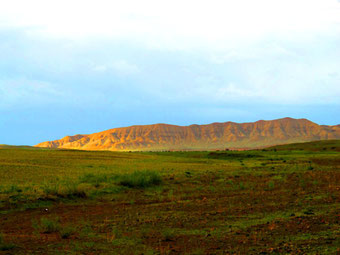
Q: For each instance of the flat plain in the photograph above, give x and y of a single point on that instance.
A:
(279, 200)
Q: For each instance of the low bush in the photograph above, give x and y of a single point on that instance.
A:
(271, 185)
(50, 188)
(168, 234)
(232, 155)
(12, 189)
(66, 189)
(140, 179)
(66, 232)
(47, 225)
(91, 185)
(52, 225)
(73, 190)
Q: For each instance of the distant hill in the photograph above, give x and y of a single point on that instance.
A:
(200, 137)
(5, 146)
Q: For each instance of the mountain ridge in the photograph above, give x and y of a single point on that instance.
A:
(217, 135)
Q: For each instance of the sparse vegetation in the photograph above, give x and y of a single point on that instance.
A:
(5, 246)
(170, 202)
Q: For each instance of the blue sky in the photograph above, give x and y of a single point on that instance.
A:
(72, 67)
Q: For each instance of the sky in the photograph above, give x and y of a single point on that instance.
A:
(79, 67)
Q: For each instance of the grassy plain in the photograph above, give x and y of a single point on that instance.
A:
(282, 200)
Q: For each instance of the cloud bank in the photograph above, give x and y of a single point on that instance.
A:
(135, 62)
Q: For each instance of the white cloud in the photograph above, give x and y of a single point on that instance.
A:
(260, 50)
(284, 83)
(100, 68)
(124, 67)
(121, 67)
(296, 80)
(173, 24)
(261, 41)
(231, 91)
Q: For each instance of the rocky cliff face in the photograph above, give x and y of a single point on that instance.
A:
(200, 137)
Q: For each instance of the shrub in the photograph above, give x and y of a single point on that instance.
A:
(12, 189)
(271, 185)
(66, 232)
(73, 191)
(64, 190)
(241, 186)
(168, 234)
(47, 225)
(140, 179)
(50, 188)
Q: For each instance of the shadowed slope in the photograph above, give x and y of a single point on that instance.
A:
(329, 145)
(200, 137)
